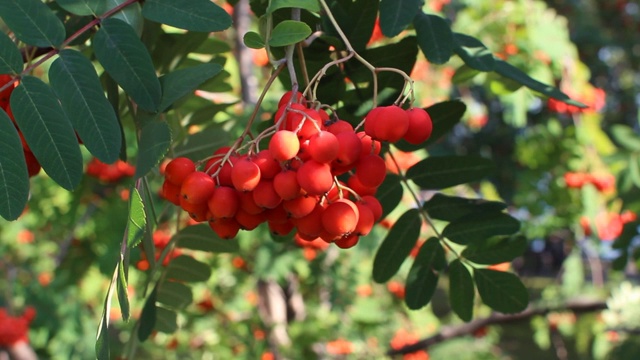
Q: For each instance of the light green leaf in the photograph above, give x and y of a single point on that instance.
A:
(33, 22)
(14, 178)
(126, 59)
(289, 32)
(473, 52)
(396, 246)
(48, 131)
(311, 5)
(155, 139)
(179, 83)
(193, 15)
(10, 57)
(137, 218)
(434, 37)
(253, 40)
(75, 81)
(123, 297)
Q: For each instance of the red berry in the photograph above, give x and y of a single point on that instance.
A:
(245, 175)
(284, 145)
(178, 169)
(420, 126)
(197, 188)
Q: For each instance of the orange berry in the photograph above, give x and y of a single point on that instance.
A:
(350, 148)
(315, 178)
(245, 175)
(224, 203)
(286, 184)
(420, 126)
(300, 206)
(284, 145)
(340, 217)
(197, 188)
(178, 169)
(269, 167)
(371, 170)
(323, 147)
(265, 195)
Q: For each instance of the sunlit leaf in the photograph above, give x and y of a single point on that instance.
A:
(289, 32)
(473, 52)
(396, 246)
(461, 290)
(479, 227)
(123, 297)
(501, 291)
(33, 22)
(14, 178)
(193, 15)
(423, 276)
(396, 15)
(434, 37)
(439, 172)
(137, 218)
(201, 237)
(626, 137)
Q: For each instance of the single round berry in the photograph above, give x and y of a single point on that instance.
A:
(284, 145)
(301, 206)
(197, 188)
(420, 126)
(391, 124)
(286, 97)
(286, 184)
(249, 221)
(371, 170)
(350, 148)
(374, 204)
(339, 126)
(366, 220)
(323, 147)
(171, 192)
(280, 229)
(224, 203)
(178, 169)
(310, 225)
(245, 175)
(225, 228)
(265, 195)
(340, 217)
(269, 167)
(315, 178)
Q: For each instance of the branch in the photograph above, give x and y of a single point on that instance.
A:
(453, 331)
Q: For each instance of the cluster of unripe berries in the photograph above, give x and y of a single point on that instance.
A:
(33, 166)
(318, 175)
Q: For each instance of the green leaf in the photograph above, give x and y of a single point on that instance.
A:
(396, 15)
(203, 143)
(289, 32)
(123, 297)
(201, 237)
(355, 18)
(511, 72)
(126, 59)
(10, 57)
(439, 172)
(445, 115)
(166, 320)
(463, 74)
(473, 52)
(434, 37)
(461, 290)
(626, 137)
(48, 131)
(390, 193)
(501, 291)
(479, 227)
(137, 218)
(423, 276)
(175, 295)
(495, 251)
(310, 5)
(193, 15)
(155, 139)
(253, 40)
(14, 178)
(80, 7)
(102, 340)
(186, 268)
(181, 82)
(33, 22)
(450, 208)
(148, 317)
(396, 246)
(75, 81)
(131, 14)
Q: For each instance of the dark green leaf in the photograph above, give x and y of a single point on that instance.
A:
(450, 208)
(123, 297)
(80, 7)
(193, 15)
(148, 317)
(396, 15)
(396, 246)
(131, 14)
(501, 291)
(473, 52)
(445, 115)
(203, 143)
(166, 320)
(126, 59)
(48, 131)
(439, 172)
(186, 268)
(201, 237)
(461, 290)
(423, 276)
(181, 82)
(155, 139)
(253, 40)
(629, 232)
(102, 341)
(33, 22)
(479, 227)
(137, 218)
(289, 32)
(434, 37)
(75, 81)
(620, 263)
(495, 251)
(626, 137)
(390, 193)
(463, 74)
(14, 178)
(10, 57)
(310, 5)
(175, 295)
(511, 72)
(356, 19)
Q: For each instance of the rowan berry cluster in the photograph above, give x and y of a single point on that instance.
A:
(110, 173)
(318, 175)
(33, 166)
(15, 329)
